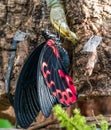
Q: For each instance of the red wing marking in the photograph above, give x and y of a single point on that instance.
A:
(46, 74)
(69, 81)
(66, 97)
(51, 44)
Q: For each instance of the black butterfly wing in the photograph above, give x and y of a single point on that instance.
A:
(46, 100)
(26, 102)
(58, 86)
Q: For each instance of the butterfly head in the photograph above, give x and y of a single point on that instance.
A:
(48, 35)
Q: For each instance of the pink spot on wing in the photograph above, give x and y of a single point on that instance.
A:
(49, 84)
(46, 74)
(51, 44)
(68, 80)
(65, 99)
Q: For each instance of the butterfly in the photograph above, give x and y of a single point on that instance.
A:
(43, 82)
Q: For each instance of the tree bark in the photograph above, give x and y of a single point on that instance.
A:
(85, 18)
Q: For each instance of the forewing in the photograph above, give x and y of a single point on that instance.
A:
(55, 76)
(26, 102)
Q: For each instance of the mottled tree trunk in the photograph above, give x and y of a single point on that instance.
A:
(85, 18)
(89, 18)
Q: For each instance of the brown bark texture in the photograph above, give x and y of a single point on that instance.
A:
(85, 18)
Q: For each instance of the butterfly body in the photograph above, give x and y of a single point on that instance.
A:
(43, 82)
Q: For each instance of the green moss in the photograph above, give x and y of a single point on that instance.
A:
(77, 122)
(5, 124)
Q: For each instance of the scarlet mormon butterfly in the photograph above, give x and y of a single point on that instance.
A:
(43, 82)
